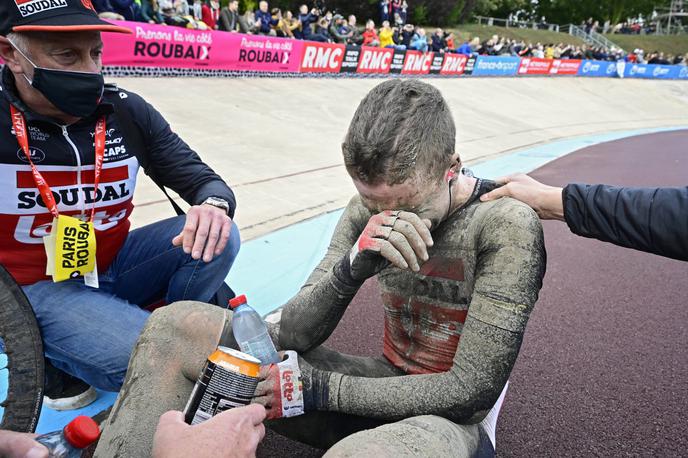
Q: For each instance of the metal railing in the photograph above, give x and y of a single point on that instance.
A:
(491, 21)
(592, 38)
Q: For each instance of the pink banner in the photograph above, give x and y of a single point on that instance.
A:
(174, 47)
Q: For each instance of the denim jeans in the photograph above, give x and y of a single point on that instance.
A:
(90, 333)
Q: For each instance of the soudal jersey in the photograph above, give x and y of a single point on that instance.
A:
(65, 157)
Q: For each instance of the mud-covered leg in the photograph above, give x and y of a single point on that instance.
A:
(427, 435)
(166, 361)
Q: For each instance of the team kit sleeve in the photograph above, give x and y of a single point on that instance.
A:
(313, 313)
(648, 219)
(509, 276)
(177, 166)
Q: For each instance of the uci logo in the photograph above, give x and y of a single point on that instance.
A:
(37, 155)
(683, 73)
(586, 67)
(611, 68)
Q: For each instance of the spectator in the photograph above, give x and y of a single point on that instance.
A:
(370, 37)
(386, 34)
(338, 34)
(394, 9)
(549, 51)
(384, 6)
(356, 37)
(248, 23)
(126, 10)
(403, 12)
(229, 17)
(465, 48)
(407, 33)
(173, 13)
(210, 14)
(321, 30)
(264, 20)
(419, 42)
(438, 43)
(105, 10)
(307, 18)
(290, 24)
(150, 12)
(449, 41)
(276, 15)
(539, 52)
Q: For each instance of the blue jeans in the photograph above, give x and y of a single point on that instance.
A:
(90, 333)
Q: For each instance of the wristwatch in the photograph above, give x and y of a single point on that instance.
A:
(217, 202)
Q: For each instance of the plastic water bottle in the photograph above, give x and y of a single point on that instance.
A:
(251, 333)
(69, 442)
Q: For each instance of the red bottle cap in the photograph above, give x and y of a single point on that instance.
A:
(237, 301)
(82, 432)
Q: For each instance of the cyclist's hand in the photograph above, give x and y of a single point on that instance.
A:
(234, 433)
(20, 445)
(396, 237)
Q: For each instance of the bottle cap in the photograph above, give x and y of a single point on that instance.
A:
(237, 301)
(81, 432)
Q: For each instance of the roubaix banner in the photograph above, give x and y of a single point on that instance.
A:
(175, 47)
(159, 47)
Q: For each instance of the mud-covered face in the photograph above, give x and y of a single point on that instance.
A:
(427, 199)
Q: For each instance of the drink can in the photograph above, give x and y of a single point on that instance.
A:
(228, 379)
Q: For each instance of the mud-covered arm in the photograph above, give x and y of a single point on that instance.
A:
(511, 265)
(309, 318)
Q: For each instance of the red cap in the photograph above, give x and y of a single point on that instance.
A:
(237, 301)
(81, 432)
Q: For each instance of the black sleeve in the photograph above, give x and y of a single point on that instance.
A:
(647, 219)
(175, 164)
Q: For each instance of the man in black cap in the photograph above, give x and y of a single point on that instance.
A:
(69, 155)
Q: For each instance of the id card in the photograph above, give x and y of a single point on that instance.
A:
(74, 244)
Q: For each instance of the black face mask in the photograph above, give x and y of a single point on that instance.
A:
(75, 93)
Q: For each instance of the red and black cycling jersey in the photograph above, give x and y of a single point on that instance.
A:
(65, 157)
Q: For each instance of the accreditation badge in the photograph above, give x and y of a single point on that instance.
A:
(74, 248)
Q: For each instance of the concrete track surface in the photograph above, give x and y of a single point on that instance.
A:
(277, 141)
(603, 368)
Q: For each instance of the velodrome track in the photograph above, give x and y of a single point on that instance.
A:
(602, 371)
(277, 140)
(591, 379)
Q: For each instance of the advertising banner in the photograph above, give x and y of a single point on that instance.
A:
(160, 47)
(174, 47)
(652, 71)
(375, 60)
(398, 60)
(322, 57)
(534, 66)
(597, 68)
(351, 56)
(417, 63)
(565, 67)
(454, 64)
(496, 66)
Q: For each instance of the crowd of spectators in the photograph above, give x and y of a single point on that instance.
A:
(317, 23)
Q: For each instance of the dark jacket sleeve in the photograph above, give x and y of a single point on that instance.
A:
(177, 166)
(647, 219)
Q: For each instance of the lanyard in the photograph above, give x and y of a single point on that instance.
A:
(19, 124)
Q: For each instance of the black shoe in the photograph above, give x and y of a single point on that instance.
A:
(64, 392)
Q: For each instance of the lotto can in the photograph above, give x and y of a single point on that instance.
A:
(229, 379)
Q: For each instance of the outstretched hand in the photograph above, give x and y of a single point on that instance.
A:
(545, 200)
(233, 433)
